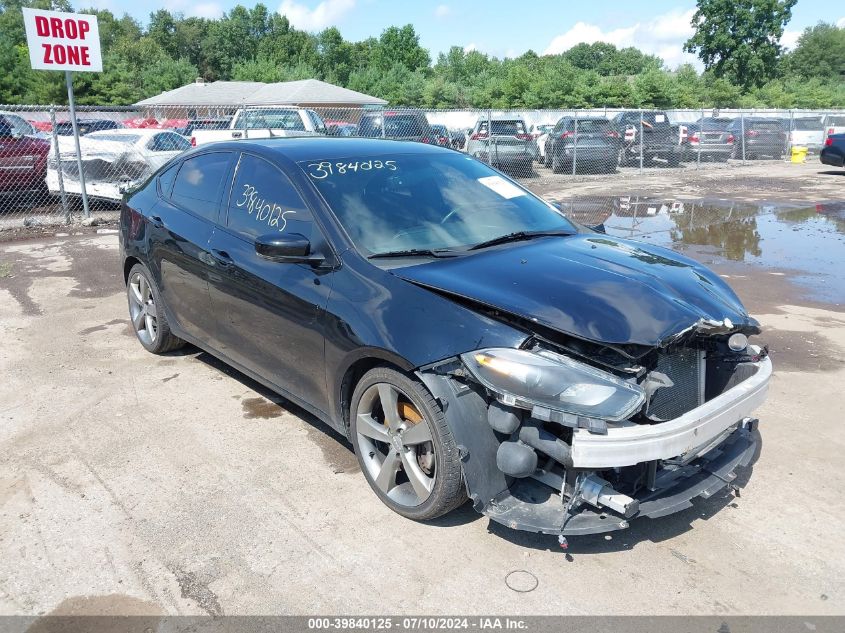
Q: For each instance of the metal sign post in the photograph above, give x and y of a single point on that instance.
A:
(68, 42)
(73, 122)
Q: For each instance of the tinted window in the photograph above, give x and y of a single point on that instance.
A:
(504, 128)
(197, 186)
(396, 125)
(589, 126)
(807, 125)
(165, 180)
(263, 201)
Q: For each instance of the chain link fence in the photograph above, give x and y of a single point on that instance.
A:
(42, 181)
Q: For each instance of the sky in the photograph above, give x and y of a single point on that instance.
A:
(499, 27)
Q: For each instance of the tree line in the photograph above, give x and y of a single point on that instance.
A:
(737, 42)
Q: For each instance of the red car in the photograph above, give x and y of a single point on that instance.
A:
(23, 155)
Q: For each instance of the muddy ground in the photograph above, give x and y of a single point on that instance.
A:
(131, 483)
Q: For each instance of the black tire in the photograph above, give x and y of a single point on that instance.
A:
(674, 160)
(448, 491)
(163, 340)
(557, 164)
(547, 161)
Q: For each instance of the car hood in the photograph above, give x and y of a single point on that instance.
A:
(595, 287)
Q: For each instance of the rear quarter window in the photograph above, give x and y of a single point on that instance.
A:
(199, 182)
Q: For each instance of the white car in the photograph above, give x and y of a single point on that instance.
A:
(112, 160)
(540, 132)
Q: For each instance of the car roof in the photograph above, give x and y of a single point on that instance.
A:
(304, 148)
(129, 131)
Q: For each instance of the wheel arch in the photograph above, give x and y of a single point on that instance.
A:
(363, 361)
(128, 263)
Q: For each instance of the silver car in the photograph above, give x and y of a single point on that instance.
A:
(510, 147)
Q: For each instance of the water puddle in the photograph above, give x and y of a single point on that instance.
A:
(807, 243)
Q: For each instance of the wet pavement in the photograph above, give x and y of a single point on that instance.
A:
(805, 244)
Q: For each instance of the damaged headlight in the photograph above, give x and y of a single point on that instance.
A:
(550, 380)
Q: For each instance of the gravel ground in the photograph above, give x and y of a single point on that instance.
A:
(131, 483)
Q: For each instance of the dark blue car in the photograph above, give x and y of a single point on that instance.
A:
(833, 152)
(468, 339)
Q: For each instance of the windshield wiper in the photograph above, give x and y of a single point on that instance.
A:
(517, 236)
(415, 252)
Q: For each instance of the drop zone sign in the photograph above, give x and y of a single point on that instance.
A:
(62, 41)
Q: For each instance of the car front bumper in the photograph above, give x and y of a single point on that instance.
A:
(692, 455)
(530, 505)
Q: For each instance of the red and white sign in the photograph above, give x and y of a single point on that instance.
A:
(62, 41)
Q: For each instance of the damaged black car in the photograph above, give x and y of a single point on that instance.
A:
(468, 339)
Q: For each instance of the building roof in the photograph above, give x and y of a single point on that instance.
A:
(236, 93)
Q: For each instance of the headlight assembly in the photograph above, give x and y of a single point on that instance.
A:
(550, 380)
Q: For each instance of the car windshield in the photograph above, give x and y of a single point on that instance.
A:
(427, 202)
(271, 119)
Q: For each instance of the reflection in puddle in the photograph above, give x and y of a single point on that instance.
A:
(808, 241)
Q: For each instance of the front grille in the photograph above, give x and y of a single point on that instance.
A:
(685, 368)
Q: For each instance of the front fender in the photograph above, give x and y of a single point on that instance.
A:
(465, 409)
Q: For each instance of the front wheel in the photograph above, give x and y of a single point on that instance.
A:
(404, 445)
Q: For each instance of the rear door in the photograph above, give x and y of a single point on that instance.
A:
(181, 226)
(272, 310)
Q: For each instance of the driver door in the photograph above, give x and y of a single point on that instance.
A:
(271, 312)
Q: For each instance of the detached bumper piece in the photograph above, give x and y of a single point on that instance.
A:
(533, 506)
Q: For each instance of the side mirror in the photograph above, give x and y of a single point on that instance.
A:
(291, 248)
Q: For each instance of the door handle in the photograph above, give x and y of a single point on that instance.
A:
(156, 222)
(222, 258)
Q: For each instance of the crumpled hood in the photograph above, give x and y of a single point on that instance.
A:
(595, 287)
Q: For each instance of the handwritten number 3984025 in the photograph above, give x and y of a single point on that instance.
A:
(324, 169)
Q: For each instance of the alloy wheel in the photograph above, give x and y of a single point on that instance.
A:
(142, 308)
(396, 445)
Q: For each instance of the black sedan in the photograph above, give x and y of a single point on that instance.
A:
(467, 338)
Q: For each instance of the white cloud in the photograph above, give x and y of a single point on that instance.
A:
(326, 13)
(840, 23)
(472, 46)
(442, 11)
(663, 36)
(210, 10)
(789, 39)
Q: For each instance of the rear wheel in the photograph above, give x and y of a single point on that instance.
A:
(146, 311)
(404, 445)
(557, 163)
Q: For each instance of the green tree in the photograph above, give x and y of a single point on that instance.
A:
(820, 53)
(400, 45)
(738, 39)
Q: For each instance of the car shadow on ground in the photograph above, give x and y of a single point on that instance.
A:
(838, 172)
(264, 392)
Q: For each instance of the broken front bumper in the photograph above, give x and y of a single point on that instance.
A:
(532, 506)
(693, 455)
